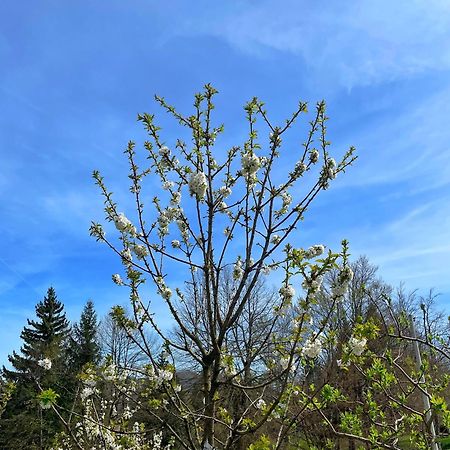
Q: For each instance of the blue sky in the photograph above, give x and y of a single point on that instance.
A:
(75, 74)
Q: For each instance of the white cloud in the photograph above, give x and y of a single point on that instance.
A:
(352, 43)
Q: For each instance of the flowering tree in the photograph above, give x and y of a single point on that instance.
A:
(218, 212)
(223, 224)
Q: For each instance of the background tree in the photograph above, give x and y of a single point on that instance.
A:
(24, 424)
(84, 340)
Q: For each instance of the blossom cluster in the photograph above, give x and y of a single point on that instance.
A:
(357, 345)
(314, 251)
(198, 185)
(250, 165)
(117, 279)
(287, 293)
(238, 270)
(312, 348)
(312, 284)
(342, 282)
(124, 225)
(166, 216)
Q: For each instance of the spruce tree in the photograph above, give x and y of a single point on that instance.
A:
(84, 347)
(43, 338)
(24, 425)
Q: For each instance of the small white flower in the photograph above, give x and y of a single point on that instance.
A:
(314, 251)
(176, 198)
(45, 363)
(87, 392)
(250, 163)
(260, 404)
(287, 199)
(140, 251)
(109, 373)
(117, 279)
(312, 285)
(167, 185)
(165, 375)
(357, 345)
(238, 271)
(166, 292)
(275, 239)
(287, 293)
(225, 191)
(126, 256)
(176, 243)
(164, 151)
(314, 156)
(299, 169)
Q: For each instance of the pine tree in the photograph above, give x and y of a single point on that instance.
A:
(24, 425)
(84, 347)
(43, 338)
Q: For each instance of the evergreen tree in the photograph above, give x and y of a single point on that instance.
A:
(42, 339)
(84, 347)
(24, 425)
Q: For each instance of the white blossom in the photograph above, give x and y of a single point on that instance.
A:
(198, 184)
(357, 345)
(299, 169)
(342, 282)
(312, 348)
(250, 165)
(167, 185)
(176, 198)
(140, 251)
(314, 156)
(330, 169)
(87, 392)
(287, 199)
(260, 404)
(275, 239)
(124, 225)
(238, 270)
(312, 285)
(225, 191)
(117, 279)
(164, 151)
(126, 256)
(184, 230)
(45, 363)
(165, 375)
(314, 251)
(109, 373)
(166, 292)
(176, 243)
(287, 293)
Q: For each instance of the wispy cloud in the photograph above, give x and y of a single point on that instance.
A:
(352, 43)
